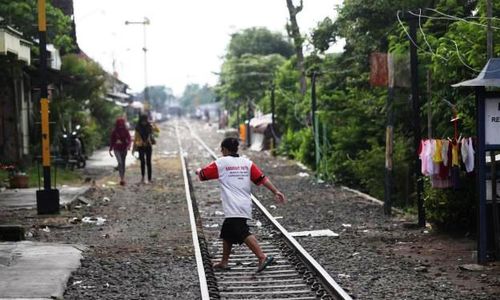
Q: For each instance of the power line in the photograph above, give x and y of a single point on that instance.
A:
(451, 17)
(461, 59)
(459, 55)
(407, 34)
(425, 38)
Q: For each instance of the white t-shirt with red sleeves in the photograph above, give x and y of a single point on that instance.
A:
(235, 175)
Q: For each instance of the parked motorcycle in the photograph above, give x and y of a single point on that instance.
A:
(72, 148)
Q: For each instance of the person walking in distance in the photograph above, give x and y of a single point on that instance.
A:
(120, 144)
(235, 175)
(143, 143)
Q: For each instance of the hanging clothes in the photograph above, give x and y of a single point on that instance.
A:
(469, 150)
(454, 154)
(442, 160)
(440, 183)
(444, 151)
(437, 156)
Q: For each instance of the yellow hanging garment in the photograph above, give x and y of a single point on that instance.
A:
(437, 158)
(454, 155)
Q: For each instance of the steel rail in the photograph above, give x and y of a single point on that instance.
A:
(327, 281)
(194, 232)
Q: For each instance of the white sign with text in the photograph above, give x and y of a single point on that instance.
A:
(492, 121)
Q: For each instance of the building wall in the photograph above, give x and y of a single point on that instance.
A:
(14, 115)
(9, 143)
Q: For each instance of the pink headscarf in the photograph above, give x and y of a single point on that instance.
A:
(120, 123)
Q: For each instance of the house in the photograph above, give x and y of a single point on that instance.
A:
(261, 132)
(116, 91)
(19, 95)
(15, 95)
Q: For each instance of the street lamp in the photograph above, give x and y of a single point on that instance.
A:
(143, 23)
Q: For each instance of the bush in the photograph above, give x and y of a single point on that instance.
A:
(298, 145)
(369, 169)
(452, 209)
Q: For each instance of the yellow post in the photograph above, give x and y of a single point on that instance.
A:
(47, 200)
(45, 132)
(42, 21)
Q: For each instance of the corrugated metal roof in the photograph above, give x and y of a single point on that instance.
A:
(489, 76)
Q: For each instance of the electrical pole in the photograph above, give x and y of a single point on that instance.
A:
(272, 116)
(145, 50)
(389, 144)
(249, 117)
(47, 200)
(415, 97)
(489, 34)
(494, 206)
(314, 119)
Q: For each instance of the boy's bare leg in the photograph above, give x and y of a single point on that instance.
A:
(253, 244)
(226, 251)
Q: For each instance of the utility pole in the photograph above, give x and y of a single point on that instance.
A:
(47, 200)
(249, 117)
(429, 104)
(415, 97)
(496, 223)
(489, 34)
(314, 119)
(145, 49)
(389, 144)
(272, 116)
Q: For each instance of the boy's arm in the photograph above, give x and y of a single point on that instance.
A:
(208, 172)
(278, 196)
(259, 178)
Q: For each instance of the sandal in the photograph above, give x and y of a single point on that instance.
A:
(265, 263)
(220, 267)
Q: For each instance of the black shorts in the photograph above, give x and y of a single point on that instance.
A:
(235, 230)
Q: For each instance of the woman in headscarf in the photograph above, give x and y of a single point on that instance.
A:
(120, 144)
(143, 143)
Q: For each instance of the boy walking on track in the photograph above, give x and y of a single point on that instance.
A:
(235, 175)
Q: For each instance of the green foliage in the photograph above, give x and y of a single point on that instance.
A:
(64, 176)
(298, 145)
(254, 55)
(246, 78)
(195, 95)
(452, 209)
(323, 35)
(159, 96)
(258, 41)
(22, 14)
(353, 115)
(83, 103)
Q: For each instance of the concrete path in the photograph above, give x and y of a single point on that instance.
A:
(101, 159)
(33, 270)
(26, 198)
(30, 270)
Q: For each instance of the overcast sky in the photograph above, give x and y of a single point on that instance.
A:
(186, 38)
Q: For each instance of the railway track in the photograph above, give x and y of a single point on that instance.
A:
(294, 275)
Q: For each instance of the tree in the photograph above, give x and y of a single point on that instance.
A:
(251, 61)
(323, 35)
(258, 41)
(83, 101)
(194, 95)
(294, 33)
(247, 78)
(22, 15)
(159, 96)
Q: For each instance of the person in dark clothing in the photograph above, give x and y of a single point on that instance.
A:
(143, 143)
(120, 144)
